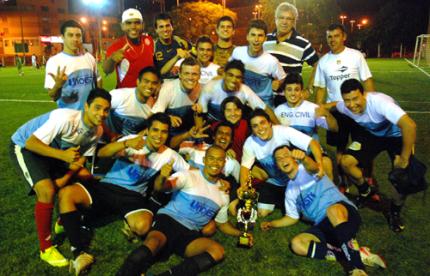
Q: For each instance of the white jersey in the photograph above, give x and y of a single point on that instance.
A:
(301, 117)
(259, 150)
(196, 153)
(213, 94)
(128, 115)
(334, 69)
(61, 128)
(259, 71)
(137, 168)
(380, 116)
(196, 200)
(81, 74)
(173, 100)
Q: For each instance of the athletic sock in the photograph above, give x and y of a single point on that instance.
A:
(137, 262)
(317, 250)
(43, 217)
(348, 245)
(192, 266)
(72, 223)
(395, 209)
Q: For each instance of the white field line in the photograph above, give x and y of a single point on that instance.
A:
(425, 73)
(25, 101)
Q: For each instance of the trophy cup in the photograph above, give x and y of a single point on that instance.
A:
(247, 213)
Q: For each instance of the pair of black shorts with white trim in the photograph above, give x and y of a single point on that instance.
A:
(272, 195)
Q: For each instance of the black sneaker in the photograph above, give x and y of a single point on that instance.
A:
(370, 196)
(395, 222)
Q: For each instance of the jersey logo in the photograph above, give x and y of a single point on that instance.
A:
(342, 69)
(159, 56)
(147, 42)
(355, 146)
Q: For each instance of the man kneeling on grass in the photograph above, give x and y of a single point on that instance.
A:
(336, 220)
(198, 197)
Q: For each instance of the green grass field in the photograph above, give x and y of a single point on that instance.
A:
(406, 253)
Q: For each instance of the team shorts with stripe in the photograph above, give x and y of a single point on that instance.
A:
(34, 167)
(324, 230)
(178, 236)
(109, 198)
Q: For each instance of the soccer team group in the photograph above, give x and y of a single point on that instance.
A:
(187, 128)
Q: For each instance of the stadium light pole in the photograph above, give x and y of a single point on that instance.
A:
(97, 5)
(342, 18)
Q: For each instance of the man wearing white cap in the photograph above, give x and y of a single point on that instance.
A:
(130, 53)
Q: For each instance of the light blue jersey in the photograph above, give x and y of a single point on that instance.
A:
(195, 200)
(310, 196)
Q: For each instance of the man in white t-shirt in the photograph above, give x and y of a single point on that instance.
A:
(71, 74)
(383, 126)
(131, 107)
(49, 150)
(263, 72)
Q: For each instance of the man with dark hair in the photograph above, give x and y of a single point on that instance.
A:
(178, 97)
(384, 127)
(336, 219)
(131, 107)
(169, 48)
(130, 53)
(125, 189)
(263, 72)
(289, 47)
(199, 197)
(71, 74)
(230, 85)
(224, 46)
(259, 147)
(49, 150)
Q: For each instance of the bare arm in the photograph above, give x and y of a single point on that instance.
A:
(315, 148)
(60, 78)
(108, 65)
(272, 115)
(114, 148)
(320, 95)
(181, 53)
(244, 174)
(285, 221)
(331, 121)
(369, 85)
(228, 229)
(70, 155)
(409, 134)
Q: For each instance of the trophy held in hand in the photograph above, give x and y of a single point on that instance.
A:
(247, 214)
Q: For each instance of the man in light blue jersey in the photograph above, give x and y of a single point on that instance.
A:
(198, 198)
(336, 219)
(382, 126)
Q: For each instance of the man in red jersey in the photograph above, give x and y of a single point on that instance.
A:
(130, 53)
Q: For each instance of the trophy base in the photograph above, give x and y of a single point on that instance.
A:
(244, 242)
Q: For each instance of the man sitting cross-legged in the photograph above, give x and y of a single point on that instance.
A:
(198, 197)
(336, 219)
(125, 189)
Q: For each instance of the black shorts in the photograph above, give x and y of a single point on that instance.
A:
(271, 196)
(110, 198)
(34, 167)
(178, 236)
(340, 139)
(366, 146)
(324, 230)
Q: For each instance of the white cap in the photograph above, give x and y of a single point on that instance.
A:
(131, 14)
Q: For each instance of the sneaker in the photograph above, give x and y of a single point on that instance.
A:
(372, 195)
(81, 263)
(58, 228)
(395, 222)
(129, 235)
(53, 257)
(371, 259)
(357, 272)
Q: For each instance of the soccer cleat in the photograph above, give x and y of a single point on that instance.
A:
(58, 228)
(371, 259)
(81, 263)
(129, 235)
(372, 195)
(53, 257)
(395, 222)
(357, 272)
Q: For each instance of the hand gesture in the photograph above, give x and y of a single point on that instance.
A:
(298, 154)
(306, 94)
(71, 155)
(400, 162)
(321, 112)
(119, 55)
(175, 120)
(60, 78)
(136, 143)
(75, 166)
(266, 225)
(198, 133)
(181, 53)
(225, 186)
(166, 169)
(197, 108)
(320, 172)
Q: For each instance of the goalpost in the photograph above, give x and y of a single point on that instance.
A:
(422, 51)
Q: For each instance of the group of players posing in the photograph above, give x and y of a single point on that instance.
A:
(211, 125)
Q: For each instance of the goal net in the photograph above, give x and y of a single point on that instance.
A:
(422, 51)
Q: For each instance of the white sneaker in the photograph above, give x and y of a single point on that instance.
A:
(371, 259)
(81, 263)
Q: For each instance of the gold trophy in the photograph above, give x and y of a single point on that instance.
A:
(247, 213)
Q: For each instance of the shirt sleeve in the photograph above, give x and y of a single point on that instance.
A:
(116, 99)
(177, 180)
(57, 124)
(248, 156)
(205, 97)
(222, 215)
(163, 100)
(364, 70)
(310, 55)
(179, 164)
(278, 72)
(390, 110)
(290, 200)
(295, 137)
(233, 168)
(319, 80)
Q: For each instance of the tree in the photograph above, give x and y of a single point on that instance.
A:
(193, 19)
(314, 16)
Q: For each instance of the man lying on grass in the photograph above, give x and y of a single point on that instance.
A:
(336, 219)
(198, 197)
